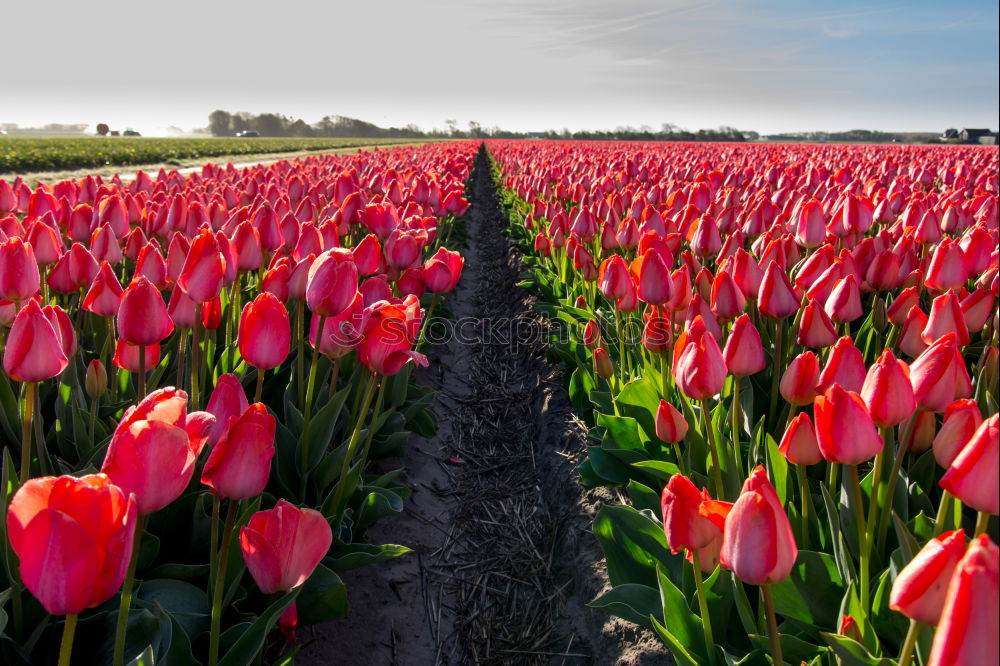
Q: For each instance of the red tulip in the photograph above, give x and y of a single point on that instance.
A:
(603, 366)
(939, 376)
(920, 588)
(402, 248)
(923, 433)
(333, 281)
(727, 299)
(900, 308)
(142, 315)
(367, 255)
(282, 546)
(34, 349)
(613, 278)
(670, 424)
(154, 449)
(776, 297)
(657, 332)
(691, 520)
(844, 303)
(265, 333)
(799, 444)
(758, 546)
(977, 308)
(126, 356)
(946, 317)
(744, 354)
(19, 278)
(961, 420)
(974, 475)
(228, 401)
(699, 368)
(151, 265)
(390, 332)
(73, 537)
(845, 431)
(816, 330)
(239, 465)
(104, 295)
(96, 379)
(845, 366)
(967, 632)
(653, 283)
(442, 271)
(887, 391)
(204, 268)
(947, 267)
(810, 225)
(592, 335)
(798, 383)
(380, 218)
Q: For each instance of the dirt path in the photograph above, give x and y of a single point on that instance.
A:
(505, 561)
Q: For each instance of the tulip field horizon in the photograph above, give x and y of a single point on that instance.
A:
(505, 402)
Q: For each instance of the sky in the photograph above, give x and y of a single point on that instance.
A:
(529, 65)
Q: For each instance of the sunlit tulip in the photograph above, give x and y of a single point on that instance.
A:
(73, 538)
(845, 431)
(920, 588)
(34, 349)
(799, 444)
(240, 463)
(974, 475)
(744, 354)
(887, 391)
(283, 546)
(142, 315)
(798, 383)
(939, 376)
(265, 332)
(758, 546)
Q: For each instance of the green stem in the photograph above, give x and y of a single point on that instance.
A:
(713, 448)
(126, 599)
(664, 374)
(260, 385)
(859, 511)
(66, 647)
(706, 620)
(885, 509)
(944, 508)
(873, 501)
(736, 415)
(982, 522)
(906, 652)
(213, 551)
(779, 343)
(426, 323)
(352, 445)
(376, 413)
(334, 376)
(26, 414)
(181, 348)
(624, 363)
(220, 583)
(36, 424)
(195, 357)
(311, 385)
(806, 502)
(772, 625)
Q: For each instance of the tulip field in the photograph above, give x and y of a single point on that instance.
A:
(785, 358)
(197, 371)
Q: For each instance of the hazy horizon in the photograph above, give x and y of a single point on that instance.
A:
(772, 67)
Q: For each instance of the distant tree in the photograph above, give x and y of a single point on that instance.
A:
(220, 123)
(452, 126)
(103, 129)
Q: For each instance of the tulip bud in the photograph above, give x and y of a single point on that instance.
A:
(265, 333)
(991, 368)
(849, 628)
(34, 349)
(920, 588)
(887, 391)
(946, 317)
(96, 381)
(815, 329)
(845, 366)
(602, 364)
(592, 335)
(922, 435)
(844, 429)
(265, 543)
(879, 318)
(758, 546)
(799, 444)
(900, 308)
(798, 383)
(654, 285)
(613, 278)
(961, 420)
(776, 298)
(691, 519)
(240, 463)
(967, 631)
(670, 424)
(939, 376)
(911, 340)
(699, 368)
(974, 476)
(744, 353)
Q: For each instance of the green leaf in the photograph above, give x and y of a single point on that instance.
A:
(778, 468)
(852, 653)
(811, 594)
(644, 497)
(640, 399)
(793, 650)
(678, 618)
(187, 605)
(144, 659)
(354, 556)
(323, 598)
(633, 544)
(681, 656)
(845, 565)
(632, 602)
(378, 503)
(251, 641)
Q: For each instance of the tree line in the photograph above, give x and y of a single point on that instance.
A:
(224, 123)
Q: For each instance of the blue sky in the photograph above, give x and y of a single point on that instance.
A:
(768, 65)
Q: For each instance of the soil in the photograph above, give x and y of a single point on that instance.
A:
(504, 560)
